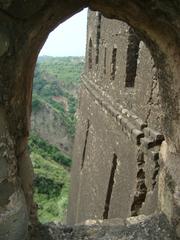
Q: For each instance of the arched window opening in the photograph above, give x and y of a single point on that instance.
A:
(54, 104)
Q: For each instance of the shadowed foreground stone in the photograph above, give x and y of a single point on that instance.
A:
(13, 221)
(155, 227)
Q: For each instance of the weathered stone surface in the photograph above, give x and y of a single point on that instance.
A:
(7, 188)
(154, 227)
(5, 4)
(26, 25)
(4, 43)
(22, 10)
(14, 218)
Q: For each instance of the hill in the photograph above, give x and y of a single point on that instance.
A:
(55, 89)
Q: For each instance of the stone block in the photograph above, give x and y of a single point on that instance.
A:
(137, 135)
(130, 127)
(158, 137)
(140, 124)
(147, 142)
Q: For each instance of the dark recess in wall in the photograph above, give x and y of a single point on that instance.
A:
(98, 36)
(113, 64)
(132, 56)
(90, 55)
(110, 187)
(141, 189)
(85, 144)
(105, 59)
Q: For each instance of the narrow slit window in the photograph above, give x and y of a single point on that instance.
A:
(113, 63)
(90, 55)
(98, 36)
(85, 145)
(132, 57)
(110, 187)
(105, 59)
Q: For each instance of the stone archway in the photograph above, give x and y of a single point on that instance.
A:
(25, 27)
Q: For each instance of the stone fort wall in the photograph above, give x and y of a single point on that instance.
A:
(116, 152)
(25, 26)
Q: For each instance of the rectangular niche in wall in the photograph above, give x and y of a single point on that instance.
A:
(132, 56)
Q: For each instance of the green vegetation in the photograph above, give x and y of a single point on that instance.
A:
(47, 151)
(66, 69)
(56, 81)
(58, 77)
(51, 180)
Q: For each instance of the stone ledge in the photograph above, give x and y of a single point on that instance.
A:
(135, 128)
(155, 227)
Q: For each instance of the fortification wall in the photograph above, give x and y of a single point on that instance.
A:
(25, 25)
(116, 151)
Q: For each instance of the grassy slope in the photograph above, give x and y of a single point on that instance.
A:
(51, 189)
(51, 180)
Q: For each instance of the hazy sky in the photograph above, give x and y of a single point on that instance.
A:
(69, 38)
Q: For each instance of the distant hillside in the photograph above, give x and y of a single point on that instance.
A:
(54, 102)
(56, 82)
(66, 70)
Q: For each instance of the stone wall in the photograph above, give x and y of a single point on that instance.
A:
(118, 138)
(25, 26)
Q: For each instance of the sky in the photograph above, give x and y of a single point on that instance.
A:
(69, 38)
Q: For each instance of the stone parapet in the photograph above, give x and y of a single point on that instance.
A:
(154, 227)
